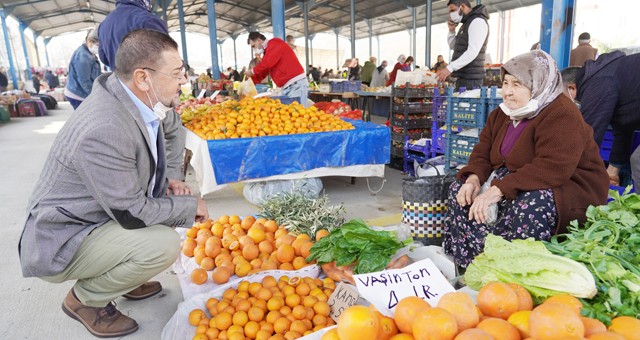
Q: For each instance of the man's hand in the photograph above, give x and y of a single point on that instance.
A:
(178, 188)
(480, 207)
(614, 175)
(202, 212)
(249, 73)
(468, 191)
(443, 74)
(452, 26)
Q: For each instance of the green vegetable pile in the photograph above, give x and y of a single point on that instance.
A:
(609, 245)
(529, 264)
(302, 215)
(355, 241)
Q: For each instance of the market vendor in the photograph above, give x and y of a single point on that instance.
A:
(280, 62)
(608, 90)
(100, 214)
(538, 159)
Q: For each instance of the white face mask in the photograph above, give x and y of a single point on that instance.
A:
(159, 109)
(94, 49)
(455, 16)
(522, 112)
(258, 51)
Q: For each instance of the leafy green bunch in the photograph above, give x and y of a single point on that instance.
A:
(608, 244)
(353, 242)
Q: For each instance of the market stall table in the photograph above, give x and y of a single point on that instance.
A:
(361, 152)
(376, 103)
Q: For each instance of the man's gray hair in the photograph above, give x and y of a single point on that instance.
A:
(141, 48)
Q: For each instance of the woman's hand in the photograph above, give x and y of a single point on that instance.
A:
(468, 191)
(480, 207)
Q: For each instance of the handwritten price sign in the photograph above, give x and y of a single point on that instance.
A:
(342, 298)
(384, 289)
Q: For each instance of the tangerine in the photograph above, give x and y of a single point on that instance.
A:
(474, 334)
(500, 329)
(199, 276)
(406, 311)
(592, 326)
(525, 302)
(520, 320)
(321, 233)
(207, 263)
(607, 336)
(626, 326)
(554, 321)
(188, 246)
(195, 316)
(567, 300)
(221, 274)
(434, 323)
(461, 306)
(357, 322)
(497, 299)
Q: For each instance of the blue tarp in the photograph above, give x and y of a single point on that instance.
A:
(240, 159)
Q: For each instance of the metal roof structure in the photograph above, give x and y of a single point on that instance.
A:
(49, 18)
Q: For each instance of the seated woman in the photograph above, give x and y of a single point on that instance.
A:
(539, 157)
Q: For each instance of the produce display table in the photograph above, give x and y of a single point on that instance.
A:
(361, 152)
(375, 103)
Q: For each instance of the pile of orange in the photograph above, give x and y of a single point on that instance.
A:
(271, 309)
(262, 117)
(233, 246)
(503, 312)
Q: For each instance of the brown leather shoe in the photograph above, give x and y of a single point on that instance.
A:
(105, 322)
(144, 291)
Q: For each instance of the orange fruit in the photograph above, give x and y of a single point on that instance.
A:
(402, 336)
(406, 311)
(200, 336)
(255, 314)
(321, 233)
(257, 233)
(275, 303)
(592, 326)
(212, 333)
(269, 281)
(387, 327)
(229, 239)
(203, 236)
(195, 316)
(499, 329)
(299, 312)
(234, 219)
(498, 300)
(243, 268)
(474, 334)
(554, 321)
(520, 320)
(265, 247)
(292, 300)
(567, 300)
(240, 318)
(607, 336)
(320, 320)
(264, 294)
(322, 308)
(626, 326)
(286, 266)
(434, 323)
(217, 229)
(192, 232)
(273, 316)
(223, 321)
(332, 334)
(357, 322)
(298, 326)
(305, 249)
(299, 262)
(271, 226)
(461, 306)
(221, 275)
(199, 276)
(199, 254)
(247, 222)
(212, 247)
(188, 246)
(206, 224)
(224, 219)
(250, 252)
(207, 263)
(281, 325)
(525, 302)
(251, 329)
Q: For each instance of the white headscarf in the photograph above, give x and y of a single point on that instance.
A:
(538, 72)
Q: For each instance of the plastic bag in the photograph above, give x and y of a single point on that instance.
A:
(247, 89)
(258, 192)
(492, 210)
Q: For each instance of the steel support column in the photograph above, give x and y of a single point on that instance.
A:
(305, 10)
(478, 2)
(502, 22)
(353, 28)
(35, 43)
(378, 39)
(370, 24)
(213, 41)
(311, 37)
(220, 42)
(23, 27)
(336, 30)
(7, 42)
(183, 33)
(235, 55)
(277, 18)
(165, 4)
(428, 22)
(46, 50)
(414, 28)
(546, 20)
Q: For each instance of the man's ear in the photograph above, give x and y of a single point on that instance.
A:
(141, 80)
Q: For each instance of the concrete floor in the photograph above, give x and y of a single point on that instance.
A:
(32, 306)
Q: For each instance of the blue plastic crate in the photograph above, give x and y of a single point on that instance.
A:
(413, 152)
(607, 143)
(352, 86)
(336, 86)
(438, 141)
(466, 112)
(286, 100)
(459, 149)
(261, 88)
(439, 108)
(493, 100)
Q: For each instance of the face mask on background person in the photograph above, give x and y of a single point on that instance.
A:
(455, 16)
(258, 51)
(94, 49)
(159, 109)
